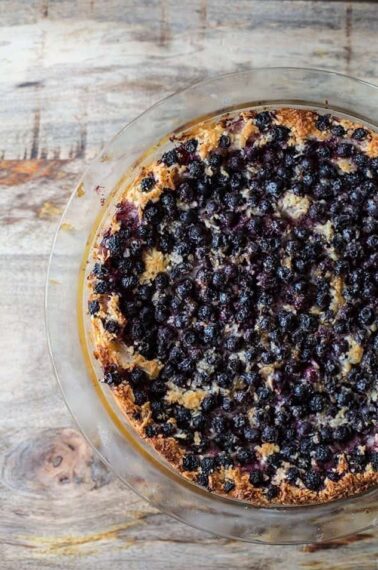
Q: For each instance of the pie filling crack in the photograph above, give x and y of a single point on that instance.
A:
(233, 306)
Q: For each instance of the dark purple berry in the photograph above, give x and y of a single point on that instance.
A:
(313, 480)
(359, 134)
(93, 307)
(112, 377)
(228, 485)
(338, 130)
(191, 146)
(323, 122)
(263, 120)
(224, 141)
(111, 326)
(190, 462)
(256, 478)
(170, 157)
(147, 184)
(209, 403)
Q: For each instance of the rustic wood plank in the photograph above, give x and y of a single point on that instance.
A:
(72, 74)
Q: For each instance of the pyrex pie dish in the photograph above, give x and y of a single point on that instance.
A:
(90, 402)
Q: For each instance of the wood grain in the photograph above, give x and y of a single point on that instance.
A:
(73, 73)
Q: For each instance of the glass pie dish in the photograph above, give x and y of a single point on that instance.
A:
(91, 403)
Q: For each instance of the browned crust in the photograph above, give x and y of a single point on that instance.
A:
(303, 126)
(351, 483)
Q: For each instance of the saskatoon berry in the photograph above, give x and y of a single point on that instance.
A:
(147, 184)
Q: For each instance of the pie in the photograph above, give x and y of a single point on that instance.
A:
(233, 305)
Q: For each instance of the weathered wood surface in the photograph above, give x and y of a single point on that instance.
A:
(72, 73)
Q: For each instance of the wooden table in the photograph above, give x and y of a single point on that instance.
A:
(72, 73)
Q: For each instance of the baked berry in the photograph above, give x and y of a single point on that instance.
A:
(101, 287)
(198, 422)
(191, 146)
(161, 281)
(203, 480)
(215, 160)
(170, 157)
(111, 326)
(293, 474)
(322, 453)
(338, 130)
(93, 307)
(359, 134)
(224, 141)
(210, 333)
(228, 485)
(244, 456)
(279, 133)
(167, 429)
(208, 464)
(366, 316)
(147, 184)
(112, 377)
(323, 122)
(317, 403)
(140, 397)
(263, 120)
(256, 478)
(270, 434)
(196, 168)
(151, 430)
(313, 480)
(184, 288)
(209, 403)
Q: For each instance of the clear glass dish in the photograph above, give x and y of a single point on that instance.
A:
(91, 403)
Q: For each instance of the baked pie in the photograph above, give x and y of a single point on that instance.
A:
(233, 305)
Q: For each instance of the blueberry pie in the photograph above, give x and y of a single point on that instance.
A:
(233, 306)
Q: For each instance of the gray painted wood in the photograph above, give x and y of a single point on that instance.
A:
(72, 73)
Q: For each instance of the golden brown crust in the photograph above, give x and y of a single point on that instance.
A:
(155, 262)
(351, 483)
(301, 123)
(303, 126)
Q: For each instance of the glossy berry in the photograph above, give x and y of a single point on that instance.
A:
(93, 307)
(203, 480)
(256, 478)
(170, 157)
(208, 403)
(191, 145)
(228, 485)
(366, 316)
(263, 120)
(224, 141)
(147, 184)
(101, 287)
(323, 123)
(322, 453)
(313, 480)
(359, 134)
(270, 434)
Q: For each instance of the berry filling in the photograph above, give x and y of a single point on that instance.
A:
(252, 283)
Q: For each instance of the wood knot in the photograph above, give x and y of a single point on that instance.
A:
(55, 462)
